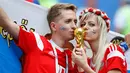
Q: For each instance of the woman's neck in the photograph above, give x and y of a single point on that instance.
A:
(94, 46)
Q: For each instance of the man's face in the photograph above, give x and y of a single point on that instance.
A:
(65, 24)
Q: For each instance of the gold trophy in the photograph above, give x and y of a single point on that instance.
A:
(79, 36)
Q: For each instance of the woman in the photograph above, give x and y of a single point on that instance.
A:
(107, 57)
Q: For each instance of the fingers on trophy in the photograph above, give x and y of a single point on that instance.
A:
(79, 36)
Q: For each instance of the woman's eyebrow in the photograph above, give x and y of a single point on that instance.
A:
(91, 22)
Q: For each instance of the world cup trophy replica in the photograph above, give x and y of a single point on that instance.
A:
(79, 36)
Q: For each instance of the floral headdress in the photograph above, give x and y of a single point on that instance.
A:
(99, 13)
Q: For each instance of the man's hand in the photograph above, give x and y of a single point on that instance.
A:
(8, 25)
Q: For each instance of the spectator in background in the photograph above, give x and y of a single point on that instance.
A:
(122, 18)
(127, 39)
(118, 40)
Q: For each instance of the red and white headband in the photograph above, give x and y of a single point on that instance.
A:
(99, 13)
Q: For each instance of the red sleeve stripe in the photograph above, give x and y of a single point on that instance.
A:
(38, 41)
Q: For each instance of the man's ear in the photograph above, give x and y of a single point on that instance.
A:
(53, 26)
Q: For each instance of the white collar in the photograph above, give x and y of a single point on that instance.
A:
(56, 46)
(56, 56)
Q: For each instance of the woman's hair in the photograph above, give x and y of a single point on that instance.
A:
(102, 43)
(102, 39)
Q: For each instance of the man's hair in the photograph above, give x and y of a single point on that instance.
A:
(55, 10)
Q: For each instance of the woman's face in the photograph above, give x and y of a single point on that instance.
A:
(92, 28)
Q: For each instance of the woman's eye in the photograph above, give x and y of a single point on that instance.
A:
(82, 24)
(75, 21)
(91, 24)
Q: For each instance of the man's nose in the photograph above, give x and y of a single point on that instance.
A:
(74, 26)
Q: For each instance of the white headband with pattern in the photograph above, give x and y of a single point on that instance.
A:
(99, 13)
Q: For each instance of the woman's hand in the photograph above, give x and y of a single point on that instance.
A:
(79, 57)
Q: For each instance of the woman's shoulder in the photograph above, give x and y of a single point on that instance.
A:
(114, 48)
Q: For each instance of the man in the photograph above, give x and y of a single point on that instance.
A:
(41, 55)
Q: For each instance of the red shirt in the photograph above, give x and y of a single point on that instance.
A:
(113, 59)
(40, 56)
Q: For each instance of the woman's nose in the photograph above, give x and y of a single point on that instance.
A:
(85, 28)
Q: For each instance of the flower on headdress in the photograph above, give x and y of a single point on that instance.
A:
(98, 12)
(90, 10)
(105, 17)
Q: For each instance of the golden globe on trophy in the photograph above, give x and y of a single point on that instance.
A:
(79, 36)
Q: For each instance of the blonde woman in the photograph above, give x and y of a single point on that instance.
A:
(107, 57)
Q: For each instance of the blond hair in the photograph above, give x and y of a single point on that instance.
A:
(103, 44)
(55, 10)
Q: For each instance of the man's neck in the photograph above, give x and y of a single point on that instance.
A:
(58, 41)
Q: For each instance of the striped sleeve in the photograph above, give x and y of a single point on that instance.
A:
(116, 58)
(29, 41)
